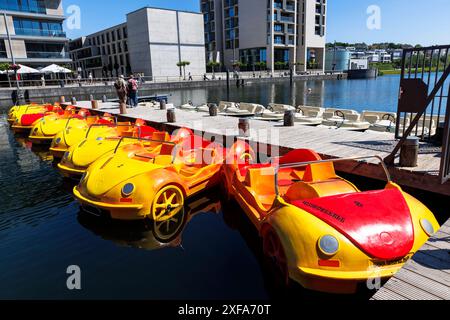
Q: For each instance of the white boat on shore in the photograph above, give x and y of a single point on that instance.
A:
(344, 119)
(309, 116)
(274, 112)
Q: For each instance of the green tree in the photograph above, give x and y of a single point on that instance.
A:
(4, 66)
(183, 64)
(213, 65)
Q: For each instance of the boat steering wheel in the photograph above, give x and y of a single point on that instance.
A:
(340, 114)
(246, 156)
(300, 110)
(390, 118)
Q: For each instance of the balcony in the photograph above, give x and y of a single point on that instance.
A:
(40, 33)
(287, 19)
(23, 8)
(47, 55)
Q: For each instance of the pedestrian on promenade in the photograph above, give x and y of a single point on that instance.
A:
(91, 78)
(190, 77)
(43, 80)
(121, 89)
(133, 91)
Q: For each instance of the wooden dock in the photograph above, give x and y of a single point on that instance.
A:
(329, 143)
(426, 276)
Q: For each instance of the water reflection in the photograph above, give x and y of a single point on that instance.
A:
(149, 235)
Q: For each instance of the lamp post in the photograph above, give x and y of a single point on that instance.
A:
(13, 59)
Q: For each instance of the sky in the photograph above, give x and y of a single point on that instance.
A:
(424, 22)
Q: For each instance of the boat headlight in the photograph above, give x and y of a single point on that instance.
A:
(58, 141)
(427, 227)
(66, 155)
(128, 189)
(99, 139)
(328, 245)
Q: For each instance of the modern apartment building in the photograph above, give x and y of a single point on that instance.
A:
(36, 32)
(281, 33)
(151, 42)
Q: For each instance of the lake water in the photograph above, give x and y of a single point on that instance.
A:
(216, 254)
(370, 94)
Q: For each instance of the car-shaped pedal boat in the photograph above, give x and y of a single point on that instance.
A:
(95, 127)
(26, 122)
(49, 126)
(149, 185)
(80, 156)
(320, 229)
(16, 113)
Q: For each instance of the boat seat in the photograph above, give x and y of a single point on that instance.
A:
(261, 183)
(319, 180)
(159, 136)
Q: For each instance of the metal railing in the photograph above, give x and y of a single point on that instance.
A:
(424, 104)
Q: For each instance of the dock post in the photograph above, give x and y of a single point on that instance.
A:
(213, 110)
(123, 107)
(74, 101)
(289, 118)
(162, 105)
(62, 99)
(171, 118)
(104, 99)
(244, 127)
(94, 104)
(228, 85)
(409, 152)
(291, 76)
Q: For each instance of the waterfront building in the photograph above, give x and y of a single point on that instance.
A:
(281, 33)
(36, 32)
(151, 42)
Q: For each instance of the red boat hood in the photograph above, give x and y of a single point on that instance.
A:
(29, 119)
(377, 222)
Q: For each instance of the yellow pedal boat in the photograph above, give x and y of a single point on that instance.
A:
(148, 185)
(80, 156)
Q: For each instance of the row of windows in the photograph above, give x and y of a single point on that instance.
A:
(110, 36)
(33, 6)
(30, 27)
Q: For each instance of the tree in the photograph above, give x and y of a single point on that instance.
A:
(183, 64)
(213, 65)
(4, 66)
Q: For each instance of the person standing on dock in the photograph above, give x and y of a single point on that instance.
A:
(122, 89)
(133, 91)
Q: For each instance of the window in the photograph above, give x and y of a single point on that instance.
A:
(119, 35)
(29, 27)
(33, 6)
(113, 35)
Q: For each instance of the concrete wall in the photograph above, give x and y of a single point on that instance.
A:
(54, 7)
(10, 23)
(18, 47)
(158, 39)
(252, 24)
(139, 42)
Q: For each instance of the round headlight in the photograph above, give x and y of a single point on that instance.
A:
(427, 227)
(99, 139)
(128, 189)
(58, 140)
(66, 155)
(329, 245)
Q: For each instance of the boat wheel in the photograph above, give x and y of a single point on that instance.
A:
(273, 248)
(168, 212)
(339, 114)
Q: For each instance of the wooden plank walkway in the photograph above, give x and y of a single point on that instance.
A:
(329, 143)
(426, 276)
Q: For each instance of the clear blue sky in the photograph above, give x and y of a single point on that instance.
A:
(423, 22)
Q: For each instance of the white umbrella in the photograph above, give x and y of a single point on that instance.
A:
(25, 70)
(54, 68)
